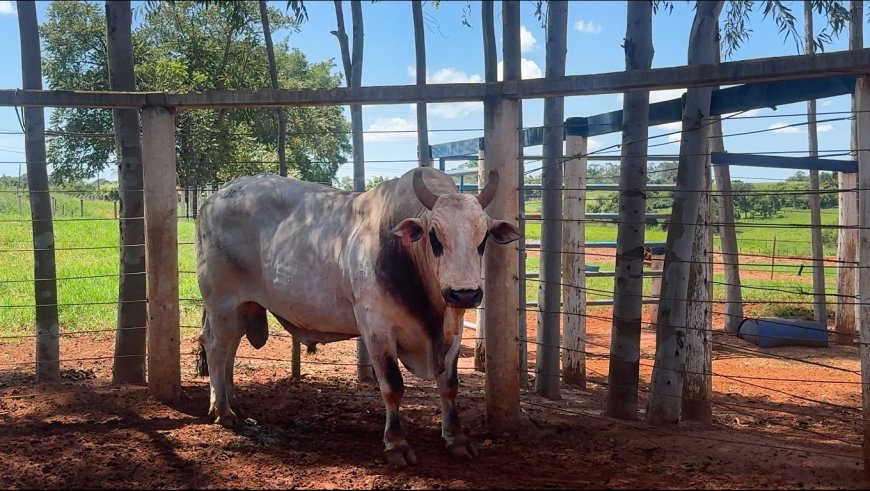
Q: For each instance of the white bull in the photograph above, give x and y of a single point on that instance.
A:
(398, 265)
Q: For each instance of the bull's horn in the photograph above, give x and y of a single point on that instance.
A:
(488, 193)
(428, 198)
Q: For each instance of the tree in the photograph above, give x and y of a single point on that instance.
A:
(420, 55)
(181, 46)
(129, 363)
(624, 370)
(667, 376)
(352, 60)
(549, 293)
(44, 271)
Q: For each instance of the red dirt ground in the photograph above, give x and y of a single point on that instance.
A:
(325, 430)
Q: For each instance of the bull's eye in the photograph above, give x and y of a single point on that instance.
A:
(482, 245)
(437, 248)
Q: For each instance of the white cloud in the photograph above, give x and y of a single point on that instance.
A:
(7, 7)
(449, 110)
(824, 128)
(587, 27)
(406, 130)
(783, 128)
(593, 144)
(660, 95)
(672, 126)
(453, 110)
(827, 102)
(527, 40)
(528, 69)
(675, 137)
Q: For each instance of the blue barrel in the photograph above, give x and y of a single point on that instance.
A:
(771, 332)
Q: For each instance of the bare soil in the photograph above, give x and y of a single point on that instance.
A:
(324, 431)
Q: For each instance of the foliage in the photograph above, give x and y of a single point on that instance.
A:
(192, 46)
(736, 31)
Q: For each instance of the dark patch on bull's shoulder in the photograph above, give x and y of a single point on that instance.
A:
(400, 276)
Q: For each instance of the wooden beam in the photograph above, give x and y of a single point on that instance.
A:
(735, 72)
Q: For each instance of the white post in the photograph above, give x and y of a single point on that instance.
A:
(574, 263)
(161, 253)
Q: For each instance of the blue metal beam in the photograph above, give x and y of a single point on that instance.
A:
(724, 101)
(806, 163)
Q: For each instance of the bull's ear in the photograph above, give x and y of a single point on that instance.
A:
(410, 230)
(503, 232)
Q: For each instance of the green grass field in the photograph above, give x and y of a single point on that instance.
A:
(87, 262)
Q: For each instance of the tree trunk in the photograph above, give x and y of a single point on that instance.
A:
(549, 287)
(424, 156)
(45, 286)
(667, 376)
(727, 235)
(819, 308)
(698, 378)
(628, 285)
(502, 317)
(352, 61)
(490, 58)
(296, 368)
(129, 363)
(847, 238)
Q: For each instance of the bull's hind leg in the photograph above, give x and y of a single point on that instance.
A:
(220, 340)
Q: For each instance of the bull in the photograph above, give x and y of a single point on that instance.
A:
(397, 265)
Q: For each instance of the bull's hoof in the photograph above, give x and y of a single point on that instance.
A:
(227, 420)
(400, 455)
(460, 445)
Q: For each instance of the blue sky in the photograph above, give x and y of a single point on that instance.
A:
(455, 54)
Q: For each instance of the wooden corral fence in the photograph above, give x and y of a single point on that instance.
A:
(503, 141)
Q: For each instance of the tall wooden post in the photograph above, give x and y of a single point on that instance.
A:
(574, 263)
(624, 365)
(862, 96)
(847, 238)
(501, 134)
(161, 253)
(698, 377)
(44, 271)
(480, 340)
(549, 287)
(819, 307)
(667, 377)
(727, 234)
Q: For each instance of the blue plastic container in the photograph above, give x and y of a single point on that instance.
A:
(771, 332)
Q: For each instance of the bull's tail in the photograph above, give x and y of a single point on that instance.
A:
(201, 358)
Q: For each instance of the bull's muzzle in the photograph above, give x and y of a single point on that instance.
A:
(462, 299)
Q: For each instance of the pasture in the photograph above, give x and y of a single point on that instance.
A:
(774, 425)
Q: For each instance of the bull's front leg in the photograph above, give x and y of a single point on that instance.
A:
(396, 447)
(458, 443)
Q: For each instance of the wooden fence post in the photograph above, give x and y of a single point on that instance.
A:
(727, 235)
(862, 94)
(501, 134)
(480, 340)
(161, 253)
(574, 263)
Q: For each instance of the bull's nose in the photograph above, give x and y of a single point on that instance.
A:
(463, 299)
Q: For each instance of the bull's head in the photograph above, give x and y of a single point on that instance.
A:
(457, 228)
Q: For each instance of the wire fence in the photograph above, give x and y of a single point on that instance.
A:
(87, 220)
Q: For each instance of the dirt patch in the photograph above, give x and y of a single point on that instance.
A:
(778, 423)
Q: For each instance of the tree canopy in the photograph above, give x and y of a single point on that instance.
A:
(192, 46)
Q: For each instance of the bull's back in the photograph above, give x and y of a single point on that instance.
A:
(278, 242)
